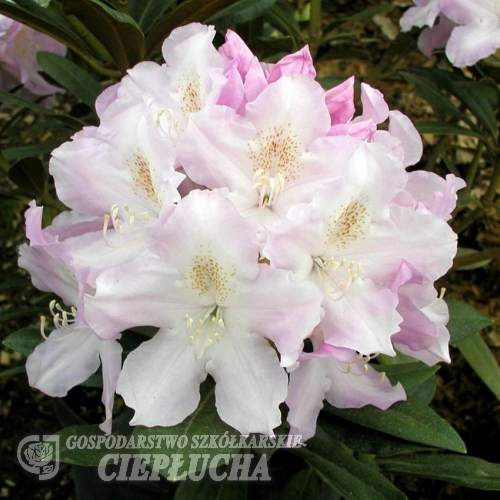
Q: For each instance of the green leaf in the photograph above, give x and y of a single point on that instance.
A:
(24, 340)
(188, 12)
(20, 312)
(119, 33)
(462, 251)
(240, 12)
(445, 128)
(482, 361)
(44, 20)
(410, 375)
(206, 489)
(305, 485)
(24, 103)
(431, 92)
(457, 469)
(91, 454)
(464, 320)
(481, 98)
(147, 12)
(12, 371)
(20, 152)
(68, 74)
(410, 420)
(369, 12)
(424, 392)
(203, 422)
(339, 469)
(30, 175)
(282, 16)
(364, 440)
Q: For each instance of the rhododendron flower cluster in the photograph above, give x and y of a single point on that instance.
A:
(19, 45)
(469, 29)
(274, 239)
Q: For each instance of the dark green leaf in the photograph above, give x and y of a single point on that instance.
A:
(431, 92)
(424, 392)
(457, 469)
(21, 312)
(119, 33)
(339, 469)
(203, 422)
(482, 361)
(445, 128)
(12, 371)
(462, 251)
(410, 375)
(464, 320)
(41, 19)
(410, 420)
(305, 485)
(240, 12)
(369, 12)
(282, 16)
(206, 489)
(92, 454)
(24, 340)
(481, 98)
(30, 175)
(188, 12)
(364, 440)
(95, 380)
(74, 79)
(24, 103)
(147, 12)
(20, 152)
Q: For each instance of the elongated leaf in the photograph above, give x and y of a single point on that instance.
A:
(188, 12)
(482, 361)
(339, 469)
(481, 98)
(282, 16)
(21, 312)
(30, 175)
(147, 12)
(74, 79)
(30, 13)
(20, 152)
(118, 32)
(16, 370)
(206, 489)
(457, 469)
(464, 320)
(445, 128)
(24, 340)
(91, 449)
(364, 440)
(410, 420)
(305, 485)
(241, 11)
(424, 392)
(24, 103)
(431, 92)
(410, 375)
(203, 422)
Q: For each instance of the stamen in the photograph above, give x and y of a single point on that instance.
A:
(60, 318)
(118, 225)
(210, 325)
(268, 186)
(336, 276)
